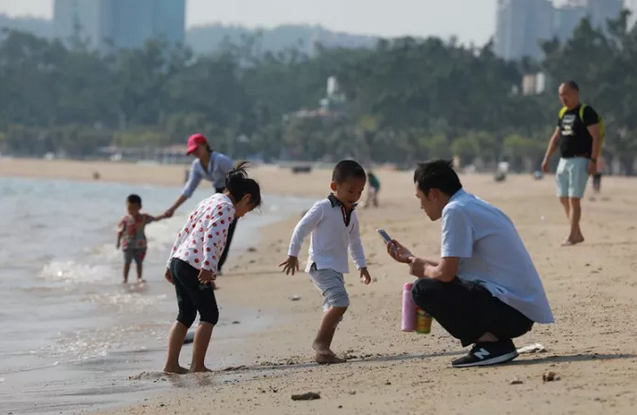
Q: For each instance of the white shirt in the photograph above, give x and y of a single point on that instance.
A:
(331, 238)
(492, 254)
(203, 238)
(216, 171)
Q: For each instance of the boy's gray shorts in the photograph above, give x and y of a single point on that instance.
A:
(332, 286)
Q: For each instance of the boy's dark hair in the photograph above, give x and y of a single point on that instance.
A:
(239, 184)
(134, 200)
(348, 169)
(572, 85)
(437, 174)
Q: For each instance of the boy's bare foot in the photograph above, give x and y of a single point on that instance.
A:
(200, 370)
(141, 280)
(324, 359)
(322, 349)
(125, 282)
(573, 241)
(324, 354)
(177, 370)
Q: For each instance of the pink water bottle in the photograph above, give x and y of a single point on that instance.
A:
(409, 309)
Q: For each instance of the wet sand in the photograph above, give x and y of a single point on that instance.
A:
(591, 287)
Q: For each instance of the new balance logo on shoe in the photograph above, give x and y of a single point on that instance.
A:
(484, 354)
(481, 354)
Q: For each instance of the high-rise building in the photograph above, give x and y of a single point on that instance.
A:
(114, 24)
(521, 26)
(567, 18)
(632, 6)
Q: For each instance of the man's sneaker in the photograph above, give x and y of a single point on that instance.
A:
(485, 354)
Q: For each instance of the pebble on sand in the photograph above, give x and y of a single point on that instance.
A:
(308, 396)
(550, 377)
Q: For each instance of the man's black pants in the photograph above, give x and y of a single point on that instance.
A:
(468, 311)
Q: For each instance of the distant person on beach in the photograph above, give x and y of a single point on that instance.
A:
(578, 136)
(193, 261)
(484, 290)
(373, 187)
(334, 229)
(208, 165)
(131, 237)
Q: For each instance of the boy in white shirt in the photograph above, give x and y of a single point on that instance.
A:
(335, 231)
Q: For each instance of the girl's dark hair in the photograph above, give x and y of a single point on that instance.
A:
(239, 184)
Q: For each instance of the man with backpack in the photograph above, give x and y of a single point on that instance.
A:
(579, 135)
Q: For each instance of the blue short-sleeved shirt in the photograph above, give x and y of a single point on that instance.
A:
(216, 172)
(492, 254)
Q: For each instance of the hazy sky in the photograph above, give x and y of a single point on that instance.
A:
(469, 20)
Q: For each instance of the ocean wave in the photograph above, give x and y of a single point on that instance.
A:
(130, 302)
(74, 272)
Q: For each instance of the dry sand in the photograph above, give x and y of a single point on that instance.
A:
(592, 288)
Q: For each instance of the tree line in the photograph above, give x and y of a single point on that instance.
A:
(404, 99)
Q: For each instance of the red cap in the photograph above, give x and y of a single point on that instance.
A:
(195, 141)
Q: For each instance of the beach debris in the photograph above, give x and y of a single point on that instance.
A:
(308, 396)
(236, 322)
(295, 298)
(352, 392)
(234, 368)
(532, 348)
(550, 377)
(516, 381)
(252, 249)
(387, 383)
(340, 407)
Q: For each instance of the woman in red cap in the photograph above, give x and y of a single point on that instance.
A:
(208, 165)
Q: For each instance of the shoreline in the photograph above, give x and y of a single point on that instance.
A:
(591, 288)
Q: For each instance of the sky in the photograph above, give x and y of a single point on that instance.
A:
(471, 21)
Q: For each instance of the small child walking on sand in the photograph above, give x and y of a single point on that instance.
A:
(192, 265)
(334, 230)
(131, 237)
(373, 187)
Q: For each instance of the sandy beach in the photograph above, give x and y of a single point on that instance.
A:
(592, 289)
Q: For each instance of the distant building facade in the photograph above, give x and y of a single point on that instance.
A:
(115, 24)
(522, 24)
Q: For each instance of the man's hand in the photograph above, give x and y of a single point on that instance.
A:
(417, 267)
(290, 265)
(364, 276)
(205, 276)
(398, 252)
(592, 167)
(168, 276)
(168, 214)
(545, 166)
